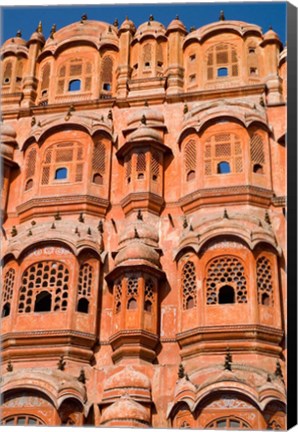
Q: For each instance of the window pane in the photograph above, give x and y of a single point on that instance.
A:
(74, 85)
(32, 420)
(235, 424)
(222, 72)
(21, 420)
(9, 422)
(221, 423)
(60, 174)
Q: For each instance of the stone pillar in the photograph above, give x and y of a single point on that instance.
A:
(175, 72)
(126, 32)
(271, 45)
(30, 82)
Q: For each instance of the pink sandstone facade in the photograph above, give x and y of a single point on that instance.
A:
(143, 238)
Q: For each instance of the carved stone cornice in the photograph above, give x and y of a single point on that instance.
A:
(279, 201)
(47, 344)
(48, 205)
(242, 194)
(143, 201)
(241, 338)
(134, 343)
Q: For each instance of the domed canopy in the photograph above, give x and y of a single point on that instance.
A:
(145, 133)
(137, 253)
(127, 377)
(128, 408)
(150, 28)
(17, 40)
(271, 36)
(84, 30)
(109, 37)
(145, 232)
(152, 116)
(128, 25)
(8, 133)
(176, 25)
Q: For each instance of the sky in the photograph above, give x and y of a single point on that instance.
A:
(26, 19)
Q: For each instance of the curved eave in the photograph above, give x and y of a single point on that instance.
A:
(130, 266)
(9, 162)
(149, 35)
(252, 238)
(198, 124)
(14, 50)
(23, 243)
(74, 41)
(139, 144)
(106, 43)
(89, 125)
(222, 27)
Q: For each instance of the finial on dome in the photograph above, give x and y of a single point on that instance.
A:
(225, 214)
(110, 29)
(192, 28)
(177, 17)
(228, 360)
(146, 103)
(221, 16)
(39, 27)
(143, 119)
(270, 27)
(116, 23)
(151, 18)
(136, 233)
(19, 33)
(181, 371)
(53, 30)
(185, 224)
(139, 215)
(83, 18)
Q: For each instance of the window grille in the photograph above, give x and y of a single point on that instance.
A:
(118, 296)
(221, 61)
(222, 272)
(148, 299)
(264, 281)
(45, 76)
(7, 291)
(190, 157)
(189, 286)
(223, 148)
(51, 277)
(84, 287)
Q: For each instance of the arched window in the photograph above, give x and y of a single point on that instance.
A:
(226, 295)
(141, 166)
(264, 282)
(45, 79)
(7, 292)
(147, 55)
(132, 292)
(132, 304)
(107, 73)
(228, 423)
(155, 163)
(226, 281)
(117, 296)
(83, 305)
(22, 420)
(257, 154)
(99, 162)
(43, 302)
(190, 159)
(74, 85)
(223, 168)
(7, 72)
(223, 154)
(149, 295)
(69, 154)
(189, 286)
(222, 61)
(222, 72)
(74, 75)
(44, 288)
(84, 287)
(30, 169)
(61, 174)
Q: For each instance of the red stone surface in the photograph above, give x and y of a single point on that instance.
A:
(142, 285)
